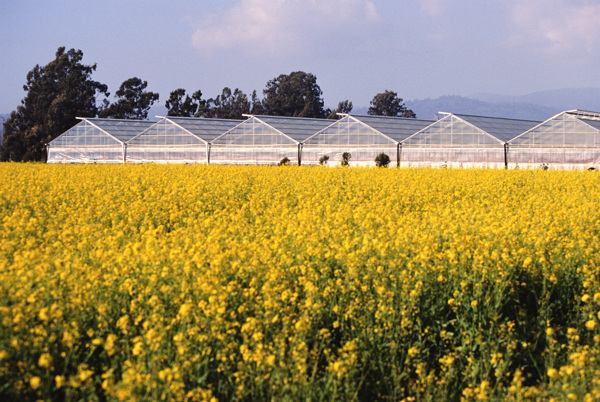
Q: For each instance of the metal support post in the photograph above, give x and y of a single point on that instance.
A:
(399, 155)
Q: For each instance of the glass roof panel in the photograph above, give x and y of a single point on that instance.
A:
(84, 134)
(206, 129)
(452, 131)
(563, 130)
(165, 133)
(298, 128)
(348, 132)
(253, 133)
(123, 130)
(397, 128)
(593, 123)
(503, 129)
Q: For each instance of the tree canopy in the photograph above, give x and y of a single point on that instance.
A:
(257, 105)
(296, 94)
(180, 104)
(133, 101)
(57, 93)
(343, 107)
(228, 105)
(389, 104)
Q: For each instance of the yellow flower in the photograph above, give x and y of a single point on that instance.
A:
(45, 360)
(137, 348)
(35, 382)
(110, 343)
(60, 381)
(85, 374)
(590, 325)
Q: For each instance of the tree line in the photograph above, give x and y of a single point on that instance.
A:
(63, 89)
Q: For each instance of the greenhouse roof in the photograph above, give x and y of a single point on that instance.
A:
(205, 129)
(121, 130)
(501, 128)
(583, 114)
(593, 123)
(297, 128)
(590, 118)
(570, 128)
(396, 128)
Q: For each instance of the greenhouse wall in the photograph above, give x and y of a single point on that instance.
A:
(253, 156)
(358, 156)
(452, 157)
(85, 155)
(556, 158)
(166, 154)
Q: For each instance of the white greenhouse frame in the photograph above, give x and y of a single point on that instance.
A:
(177, 140)
(265, 140)
(568, 140)
(458, 140)
(363, 137)
(95, 140)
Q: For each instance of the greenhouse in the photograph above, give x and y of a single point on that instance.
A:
(95, 140)
(463, 141)
(569, 140)
(177, 140)
(265, 140)
(362, 137)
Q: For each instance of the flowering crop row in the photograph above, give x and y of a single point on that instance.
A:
(199, 282)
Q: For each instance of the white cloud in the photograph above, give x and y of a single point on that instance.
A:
(282, 27)
(564, 28)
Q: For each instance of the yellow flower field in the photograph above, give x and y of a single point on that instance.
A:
(156, 282)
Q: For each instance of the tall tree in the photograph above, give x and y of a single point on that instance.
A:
(296, 94)
(257, 107)
(389, 104)
(180, 104)
(343, 107)
(133, 101)
(228, 105)
(57, 93)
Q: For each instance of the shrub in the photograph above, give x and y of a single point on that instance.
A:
(323, 160)
(382, 160)
(346, 156)
(284, 162)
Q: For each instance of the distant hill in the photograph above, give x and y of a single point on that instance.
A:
(561, 99)
(428, 108)
(535, 106)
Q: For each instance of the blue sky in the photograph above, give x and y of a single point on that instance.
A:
(356, 48)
